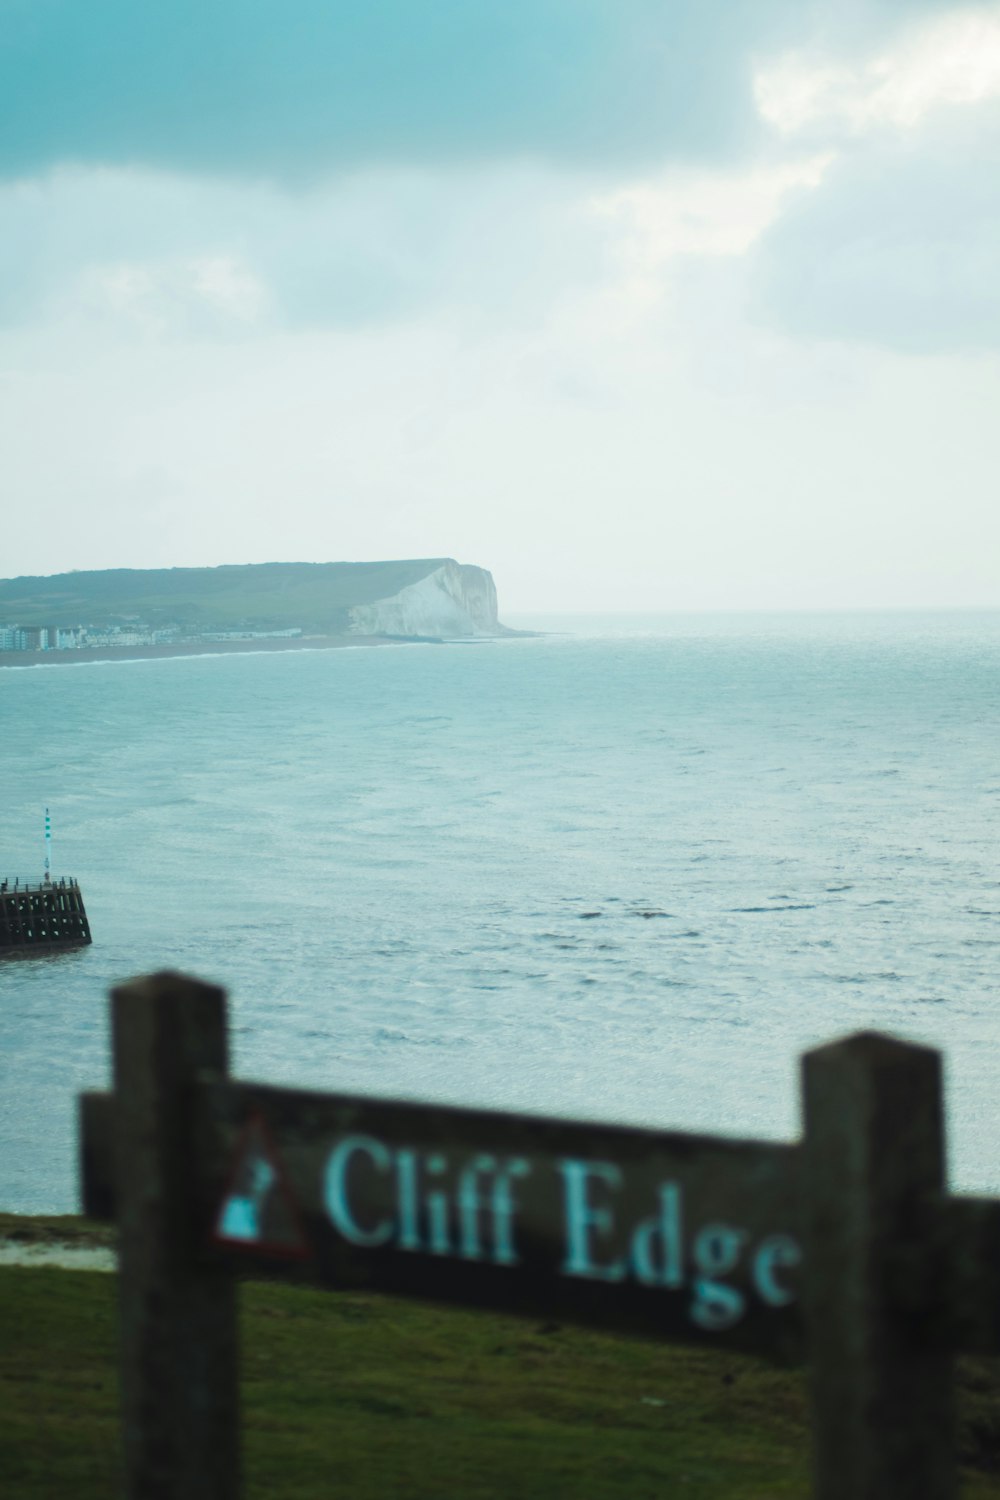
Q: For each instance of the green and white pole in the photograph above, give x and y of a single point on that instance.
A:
(48, 848)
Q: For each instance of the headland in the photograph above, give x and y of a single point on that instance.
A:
(132, 614)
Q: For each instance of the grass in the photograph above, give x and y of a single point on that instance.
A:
(60, 1229)
(360, 1396)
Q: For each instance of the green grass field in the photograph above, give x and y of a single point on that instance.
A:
(352, 1395)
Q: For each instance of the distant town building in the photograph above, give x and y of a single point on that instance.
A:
(82, 637)
(27, 638)
(246, 635)
(14, 638)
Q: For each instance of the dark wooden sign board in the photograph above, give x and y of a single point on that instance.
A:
(842, 1250)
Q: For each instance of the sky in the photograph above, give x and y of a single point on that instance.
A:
(642, 304)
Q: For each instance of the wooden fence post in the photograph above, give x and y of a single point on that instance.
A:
(178, 1315)
(873, 1176)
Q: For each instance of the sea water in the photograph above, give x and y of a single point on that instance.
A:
(628, 869)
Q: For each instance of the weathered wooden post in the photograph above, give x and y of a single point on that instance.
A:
(178, 1314)
(688, 1238)
(873, 1184)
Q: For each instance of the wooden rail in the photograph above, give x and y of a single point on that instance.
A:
(842, 1250)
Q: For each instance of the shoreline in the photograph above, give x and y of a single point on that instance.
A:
(59, 1255)
(91, 654)
(68, 1242)
(87, 655)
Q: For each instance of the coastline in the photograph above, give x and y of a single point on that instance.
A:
(64, 1241)
(198, 648)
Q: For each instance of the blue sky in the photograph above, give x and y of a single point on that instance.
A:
(643, 304)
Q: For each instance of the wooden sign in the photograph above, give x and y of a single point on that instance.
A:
(843, 1248)
(664, 1235)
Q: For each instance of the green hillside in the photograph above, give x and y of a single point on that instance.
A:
(264, 596)
(354, 1397)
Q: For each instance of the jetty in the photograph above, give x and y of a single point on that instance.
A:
(41, 917)
(37, 917)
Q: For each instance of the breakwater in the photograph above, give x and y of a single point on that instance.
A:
(36, 917)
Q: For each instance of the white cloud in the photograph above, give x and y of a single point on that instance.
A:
(899, 248)
(162, 253)
(191, 295)
(952, 60)
(688, 214)
(228, 287)
(704, 213)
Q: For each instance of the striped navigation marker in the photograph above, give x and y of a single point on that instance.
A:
(48, 847)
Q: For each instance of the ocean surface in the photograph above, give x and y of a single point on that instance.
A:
(626, 870)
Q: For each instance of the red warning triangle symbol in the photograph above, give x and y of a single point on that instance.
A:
(258, 1212)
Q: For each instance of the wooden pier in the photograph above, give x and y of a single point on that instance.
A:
(36, 918)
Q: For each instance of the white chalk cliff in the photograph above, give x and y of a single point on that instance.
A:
(454, 600)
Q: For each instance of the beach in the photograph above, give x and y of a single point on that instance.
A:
(190, 648)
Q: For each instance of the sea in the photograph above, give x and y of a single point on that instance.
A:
(627, 868)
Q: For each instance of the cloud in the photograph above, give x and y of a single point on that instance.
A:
(165, 256)
(680, 216)
(294, 91)
(154, 256)
(953, 59)
(231, 222)
(901, 245)
(195, 295)
(899, 249)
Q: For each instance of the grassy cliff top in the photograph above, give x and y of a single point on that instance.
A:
(266, 596)
(350, 1395)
